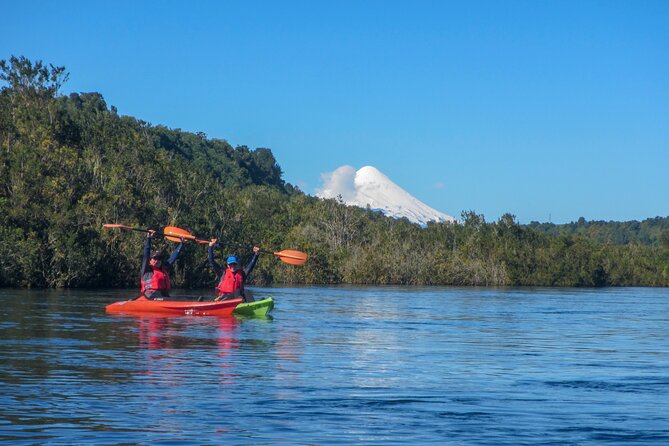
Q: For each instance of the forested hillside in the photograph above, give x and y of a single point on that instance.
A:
(68, 164)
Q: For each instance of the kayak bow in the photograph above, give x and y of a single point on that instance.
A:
(259, 308)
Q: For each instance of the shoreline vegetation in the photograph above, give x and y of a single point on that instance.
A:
(69, 164)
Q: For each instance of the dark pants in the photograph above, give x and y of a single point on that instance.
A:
(245, 295)
(156, 294)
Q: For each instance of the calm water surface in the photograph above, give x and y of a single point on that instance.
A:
(383, 365)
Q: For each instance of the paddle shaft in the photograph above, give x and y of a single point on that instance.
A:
(288, 256)
(128, 228)
(171, 233)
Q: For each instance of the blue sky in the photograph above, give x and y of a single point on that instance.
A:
(547, 110)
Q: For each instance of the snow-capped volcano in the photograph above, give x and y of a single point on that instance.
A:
(368, 186)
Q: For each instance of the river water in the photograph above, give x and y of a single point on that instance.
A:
(341, 365)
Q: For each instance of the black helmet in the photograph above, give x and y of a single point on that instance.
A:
(158, 255)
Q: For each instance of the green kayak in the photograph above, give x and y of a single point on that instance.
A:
(258, 308)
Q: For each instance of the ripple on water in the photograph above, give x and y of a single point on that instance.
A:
(632, 385)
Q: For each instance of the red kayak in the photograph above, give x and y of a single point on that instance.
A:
(174, 307)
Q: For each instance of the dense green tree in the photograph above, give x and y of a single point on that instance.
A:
(68, 164)
(646, 232)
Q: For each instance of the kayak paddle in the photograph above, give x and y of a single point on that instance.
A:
(171, 233)
(289, 256)
(174, 234)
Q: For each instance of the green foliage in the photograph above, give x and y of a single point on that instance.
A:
(70, 164)
(647, 232)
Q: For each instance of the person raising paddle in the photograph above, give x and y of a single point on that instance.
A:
(231, 279)
(155, 272)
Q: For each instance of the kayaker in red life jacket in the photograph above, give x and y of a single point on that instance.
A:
(155, 273)
(231, 279)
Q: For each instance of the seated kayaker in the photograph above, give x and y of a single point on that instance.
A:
(155, 273)
(231, 278)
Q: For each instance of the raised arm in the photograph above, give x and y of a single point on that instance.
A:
(147, 251)
(210, 256)
(252, 263)
(175, 254)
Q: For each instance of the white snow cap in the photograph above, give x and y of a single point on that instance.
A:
(368, 186)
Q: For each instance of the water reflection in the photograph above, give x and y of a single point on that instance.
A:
(340, 366)
(186, 333)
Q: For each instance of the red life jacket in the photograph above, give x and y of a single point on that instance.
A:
(231, 281)
(156, 279)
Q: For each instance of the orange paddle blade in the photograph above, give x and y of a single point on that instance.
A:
(174, 234)
(291, 256)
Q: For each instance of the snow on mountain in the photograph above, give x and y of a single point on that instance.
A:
(368, 186)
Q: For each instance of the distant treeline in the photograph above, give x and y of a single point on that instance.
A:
(68, 164)
(651, 231)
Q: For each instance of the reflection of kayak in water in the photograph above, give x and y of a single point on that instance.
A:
(176, 307)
